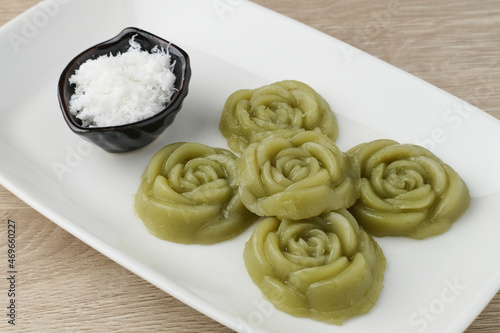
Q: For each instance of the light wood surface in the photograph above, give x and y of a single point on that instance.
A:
(66, 286)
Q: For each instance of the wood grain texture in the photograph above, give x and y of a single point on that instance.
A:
(66, 286)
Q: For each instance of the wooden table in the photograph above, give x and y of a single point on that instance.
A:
(66, 286)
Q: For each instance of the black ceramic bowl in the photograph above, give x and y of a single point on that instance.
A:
(128, 137)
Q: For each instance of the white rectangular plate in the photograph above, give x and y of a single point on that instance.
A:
(436, 285)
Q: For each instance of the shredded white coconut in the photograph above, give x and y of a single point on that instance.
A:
(122, 89)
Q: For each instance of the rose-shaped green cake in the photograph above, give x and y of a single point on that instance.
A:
(296, 177)
(406, 191)
(250, 115)
(189, 195)
(326, 268)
